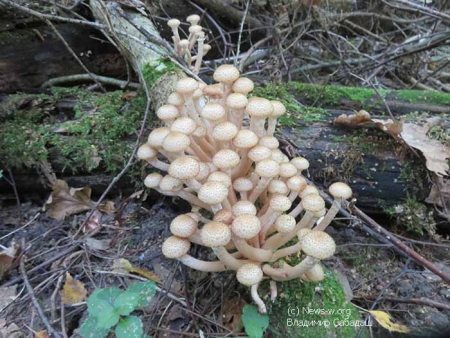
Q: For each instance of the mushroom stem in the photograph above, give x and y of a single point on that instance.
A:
(332, 212)
(272, 124)
(297, 210)
(273, 290)
(257, 299)
(198, 61)
(292, 272)
(200, 265)
(226, 258)
(250, 252)
(290, 250)
(158, 164)
(262, 184)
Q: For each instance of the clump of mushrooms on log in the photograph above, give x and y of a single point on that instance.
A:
(248, 199)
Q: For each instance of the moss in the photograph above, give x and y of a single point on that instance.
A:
(304, 308)
(152, 72)
(433, 97)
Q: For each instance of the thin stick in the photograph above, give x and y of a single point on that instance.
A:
(87, 77)
(241, 28)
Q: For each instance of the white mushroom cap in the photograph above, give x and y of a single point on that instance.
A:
(280, 203)
(269, 142)
(259, 153)
(213, 193)
(242, 184)
(167, 112)
(301, 163)
(313, 203)
(224, 131)
(246, 226)
(214, 91)
(302, 232)
(175, 99)
(204, 171)
(243, 208)
(278, 109)
(267, 168)
(236, 101)
(224, 216)
(245, 139)
(156, 137)
(320, 213)
(184, 43)
(184, 168)
(175, 247)
(278, 156)
(285, 223)
(243, 85)
(287, 170)
(186, 85)
(315, 274)
(308, 190)
(145, 152)
(226, 74)
(215, 234)
(195, 29)
(226, 159)
(198, 93)
(259, 107)
(152, 180)
(169, 183)
(340, 190)
(249, 274)
(277, 187)
(184, 125)
(220, 177)
(296, 183)
(318, 244)
(200, 131)
(213, 111)
(173, 23)
(193, 19)
(176, 142)
(183, 226)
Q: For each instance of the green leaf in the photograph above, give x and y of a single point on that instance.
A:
(89, 329)
(146, 291)
(129, 327)
(99, 307)
(126, 303)
(108, 294)
(255, 324)
(108, 320)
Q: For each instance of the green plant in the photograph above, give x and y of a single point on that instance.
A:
(111, 307)
(255, 324)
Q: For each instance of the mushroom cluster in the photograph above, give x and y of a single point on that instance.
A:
(249, 199)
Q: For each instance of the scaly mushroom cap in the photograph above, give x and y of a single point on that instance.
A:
(242, 184)
(220, 177)
(246, 226)
(340, 190)
(176, 142)
(152, 180)
(156, 137)
(287, 170)
(184, 168)
(249, 274)
(167, 112)
(300, 162)
(213, 91)
(259, 153)
(213, 112)
(169, 183)
(173, 23)
(269, 142)
(308, 190)
(183, 226)
(267, 168)
(236, 101)
(200, 131)
(226, 74)
(145, 152)
(224, 216)
(243, 208)
(296, 183)
(313, 203)
(226, 159)
(184, 125)
(243, 85)
(320, 213)
(175, 99)
(245, 139)
(213, 193)
(224, 131)
(277, 187)
(278, 109)
(204, 171)
(302, 232)
(280, 203)
(318, 244)
(285, 223)
(186, 85)
(214, 234)
(259, 107)
(175, 247)
(315, 274)
(278, 156)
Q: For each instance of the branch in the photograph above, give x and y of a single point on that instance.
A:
(87, 77)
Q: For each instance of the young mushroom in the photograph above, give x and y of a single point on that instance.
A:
(340, 191)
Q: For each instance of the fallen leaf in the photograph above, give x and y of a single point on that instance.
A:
(232, 312)
(356, 120)
(388, 126)
(107, 207)
(7, 257)
(96, 244)
(435, 152)
(73, 291)
(42, 334)
(129, 95)
(10, 331)
(7, 295)
(440, 188)
(124, 266)
(93, 224)
(65, 201)
(384, 320)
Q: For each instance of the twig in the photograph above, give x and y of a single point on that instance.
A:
(419, 301)
(86, 77)
(44, 319)
(12, 183)
(241, 28)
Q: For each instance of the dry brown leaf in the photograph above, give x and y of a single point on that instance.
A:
(107, 207)
(124, 266)
(232, 312)
(73, 291)
(42, 334)
(7, 257)
(435, 152)
(361, 118)
(441, 187)
(392, 128)
(7, 295)
(65, 201)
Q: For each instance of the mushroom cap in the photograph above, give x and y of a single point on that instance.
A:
(152, 180)
(308, 190)
(183, 226)
(195, 29)
(249, 274)
(313, 203)
(267, 168)
(169, 183)
(184, 168)
(318, 244)
(277, 187)
(296, 183)
(259, 153)
(214, 234)
(320, 213)
(167, 112)
(184, 125)
(193, 19)
(278, 156)
(315, 274)
(246, 226)
(220, 177)
(213, 111)
(214, 91)
(224, 131)
(224, 216)
(198, 93)
(226, 74)
(226, 159)
(173, 23)
(175, 99)
(269, 142)
(245, 139)
(200, 131)
(300, 162)
(285, 223)
(156, 137)
(278, 109)
(243, 85)
(287, 170)
(242, 184)
(213, 193)
(259, 107)
(243, 208)
(236, 101)
(176, 142)
(302, 232)
(175, 247)
(184, 43)
(340, 190)
(280, 203)
(203, 172)
(146, 152)
(186, 85)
